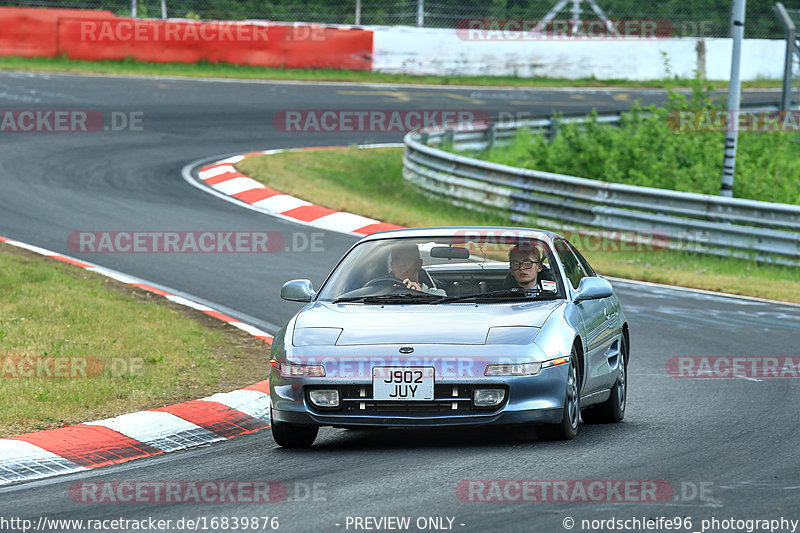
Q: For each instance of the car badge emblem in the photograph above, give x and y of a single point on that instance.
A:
(407, 349)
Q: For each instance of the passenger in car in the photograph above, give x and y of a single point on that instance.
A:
(406, 265)
(524, 266)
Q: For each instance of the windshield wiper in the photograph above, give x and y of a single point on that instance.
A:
(388, 298)
(517, 292)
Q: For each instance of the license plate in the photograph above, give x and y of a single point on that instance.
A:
(402, 383)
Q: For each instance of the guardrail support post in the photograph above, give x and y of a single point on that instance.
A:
(491, 136)
(449, 137)
(734, 96)
(552, 130)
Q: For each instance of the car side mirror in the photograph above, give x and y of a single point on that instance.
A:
(298, 290)
(593, 289)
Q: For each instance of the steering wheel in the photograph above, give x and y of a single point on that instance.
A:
(394, 282)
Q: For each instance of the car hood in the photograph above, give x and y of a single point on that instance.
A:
(462, 323)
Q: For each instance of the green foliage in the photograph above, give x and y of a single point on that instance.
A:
(649, 149)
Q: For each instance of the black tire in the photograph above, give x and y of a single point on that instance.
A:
(293, 435)
(612, 410)
(571, 414)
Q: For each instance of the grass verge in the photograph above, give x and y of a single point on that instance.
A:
(369, 182)
(129, 67)
(76, 346)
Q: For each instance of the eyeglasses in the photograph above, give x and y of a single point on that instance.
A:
(516, 265)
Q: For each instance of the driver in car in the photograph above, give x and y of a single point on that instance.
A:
(524, 266)
(406, 265)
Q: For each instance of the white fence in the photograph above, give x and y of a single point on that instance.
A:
(422, 51)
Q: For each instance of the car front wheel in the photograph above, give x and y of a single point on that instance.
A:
(293, 435)
(568, 427)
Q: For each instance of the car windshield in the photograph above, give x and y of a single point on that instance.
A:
(439, 270)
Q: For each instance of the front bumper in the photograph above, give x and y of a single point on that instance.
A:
(541, 416)
(529, 399)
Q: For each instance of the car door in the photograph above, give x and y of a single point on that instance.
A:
(612, 335)
(595, 332)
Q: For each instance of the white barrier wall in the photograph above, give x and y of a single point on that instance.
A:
(403, 49)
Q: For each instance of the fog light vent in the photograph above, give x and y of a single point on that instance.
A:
(324, 397)
(488, 397)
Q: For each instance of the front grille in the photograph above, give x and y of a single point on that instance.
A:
(408, 407)
(448, 399)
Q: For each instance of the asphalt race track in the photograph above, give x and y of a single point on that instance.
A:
(729, 448)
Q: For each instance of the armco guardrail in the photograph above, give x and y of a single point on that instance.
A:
(699, 222)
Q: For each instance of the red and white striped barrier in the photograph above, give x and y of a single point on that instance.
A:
(224, 178)
(93, 35)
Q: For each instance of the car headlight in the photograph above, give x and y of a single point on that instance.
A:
(291, 370)
(522, 369)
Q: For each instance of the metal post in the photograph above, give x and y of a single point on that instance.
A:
(600, 13)
(133, 9)
(549, 16)
(491, 136)
(420, 13)
(164, 9)
(358, 12)
(576, 15)
(449, 138)
(788, 26)
(552, 129)
(734, 97)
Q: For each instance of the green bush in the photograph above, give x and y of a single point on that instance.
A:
(646, 149)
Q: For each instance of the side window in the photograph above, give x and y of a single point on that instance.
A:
(572, 268)
(584, 263)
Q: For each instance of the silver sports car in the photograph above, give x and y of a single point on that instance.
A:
(451, 326)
